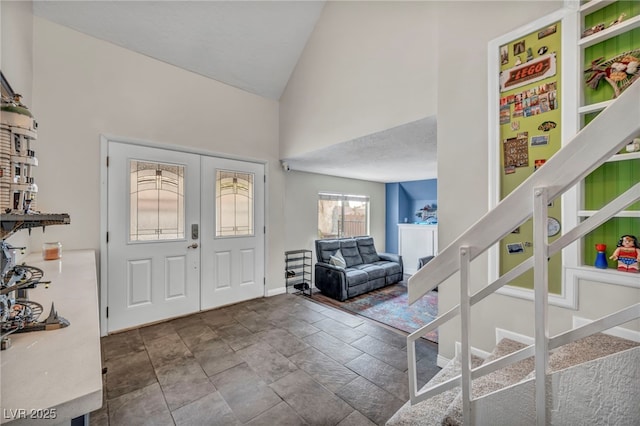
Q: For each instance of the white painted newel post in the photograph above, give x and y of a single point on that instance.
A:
(541, 293)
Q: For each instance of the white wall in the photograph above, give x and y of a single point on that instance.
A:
(368, 66)
(16, 60)
(301, 207)
(86, 87)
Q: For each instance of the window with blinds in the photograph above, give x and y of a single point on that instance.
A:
(342, 215)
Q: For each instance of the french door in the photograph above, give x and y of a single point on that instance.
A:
(232, 231)
(168, 213)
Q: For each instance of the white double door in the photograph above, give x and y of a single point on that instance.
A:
(185, 233)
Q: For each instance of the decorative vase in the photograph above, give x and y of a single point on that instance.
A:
(601, 257)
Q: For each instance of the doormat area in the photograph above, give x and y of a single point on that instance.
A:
(389, 306)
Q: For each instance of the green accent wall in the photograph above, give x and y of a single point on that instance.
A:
(511, 179)
(607, 49)
(611, 179)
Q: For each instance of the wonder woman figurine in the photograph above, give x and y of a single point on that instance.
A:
(627, 254)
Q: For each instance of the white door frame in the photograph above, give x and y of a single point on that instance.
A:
(103, 269)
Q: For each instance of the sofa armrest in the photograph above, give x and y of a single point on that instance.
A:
(331, 280)
(391, 257)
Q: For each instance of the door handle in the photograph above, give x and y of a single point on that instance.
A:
(193, 246)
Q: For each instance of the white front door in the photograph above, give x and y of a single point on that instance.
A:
(232, 235)
(153, 257)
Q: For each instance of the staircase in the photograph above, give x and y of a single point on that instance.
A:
(501, 390)
(599, 362)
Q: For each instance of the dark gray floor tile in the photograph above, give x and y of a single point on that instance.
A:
(280, 415)
(425, 370)
(186, 321)
(196, 333)
(237, 336)
(276, 315)
(383, 351)
(347, 319)
(324, 370)
(100, 417)
(268, 363)
(120, 344)
(252, 304)
(375, 403)
(210, 410)
(390, 337)
(145, 406)
(183, 382)
(253, 321)
(129, 373)
(314, 306)
(297, 327)
(426, 349)
(282, 300)
(235, 309)
(167, 350)
(339, 330)
(332, 347)
(382, 374)
(245, 392)
(214, 367)
(156, 331)
(215, 356)
(283, 341)
(313, 402)
(306, 314)
(217, 318)
(356, 419)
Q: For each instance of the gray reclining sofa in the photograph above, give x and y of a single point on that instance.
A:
(348, 267)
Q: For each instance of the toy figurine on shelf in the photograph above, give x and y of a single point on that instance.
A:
(601, 257)
(627, 254)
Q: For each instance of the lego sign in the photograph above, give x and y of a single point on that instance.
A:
(532, 71)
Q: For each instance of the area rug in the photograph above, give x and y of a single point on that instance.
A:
(389, 306)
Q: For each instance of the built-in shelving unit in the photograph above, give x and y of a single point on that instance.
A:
(620, 171)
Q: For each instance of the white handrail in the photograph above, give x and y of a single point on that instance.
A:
(611, 209)
(590, 148)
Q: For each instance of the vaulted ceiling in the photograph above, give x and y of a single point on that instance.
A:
(254, 46)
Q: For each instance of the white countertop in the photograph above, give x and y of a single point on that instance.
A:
(56, 369)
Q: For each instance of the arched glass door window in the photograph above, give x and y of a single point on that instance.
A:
(156, 201)
(234, 203)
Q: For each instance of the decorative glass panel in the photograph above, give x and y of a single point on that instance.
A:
(157, 201)
(234, 203)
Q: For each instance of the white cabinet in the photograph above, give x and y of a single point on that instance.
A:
(56, 375)
(416, 241)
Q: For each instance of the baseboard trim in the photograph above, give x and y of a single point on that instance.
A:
(442, 361)
(501, 333)
(474, 351)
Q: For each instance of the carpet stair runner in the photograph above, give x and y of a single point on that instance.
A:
(446, 408)
(431, 411)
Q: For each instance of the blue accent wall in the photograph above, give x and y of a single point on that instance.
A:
(403, 200)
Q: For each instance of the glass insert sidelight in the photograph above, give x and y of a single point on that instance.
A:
(156, 201)
(234, 203)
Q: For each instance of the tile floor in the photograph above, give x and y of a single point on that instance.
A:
(283, 360)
